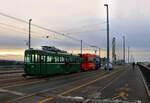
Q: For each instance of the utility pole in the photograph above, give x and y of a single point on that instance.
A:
(30, 33)
(81, 46)
(128, 54)
(124, 49)
(107, 35)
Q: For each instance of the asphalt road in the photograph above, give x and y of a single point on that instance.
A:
(28, 89)
(121, 83)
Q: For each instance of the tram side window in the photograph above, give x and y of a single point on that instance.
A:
(67, 59)
(49, 59)
(43, 58)
(62, 59)
(56, 59)
(36, 58)
(70, 59)
(90, 59)
(32, 58)
(76, 59)
(27, 58)
(53, 59)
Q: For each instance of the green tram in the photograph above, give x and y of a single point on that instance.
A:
(45, 63)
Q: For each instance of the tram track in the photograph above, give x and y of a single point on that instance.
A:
(77, 89)
(45, 80)
(18, 80)
(5, 80)
(60, 88)
(31, 80)
(89, 74)
(10, 76)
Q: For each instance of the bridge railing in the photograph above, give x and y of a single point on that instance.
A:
(146, 72)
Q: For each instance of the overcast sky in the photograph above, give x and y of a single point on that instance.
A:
(82, 19)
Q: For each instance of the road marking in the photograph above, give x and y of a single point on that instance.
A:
(122, 95)
(78, 87)
(123, 91)
(11, 92)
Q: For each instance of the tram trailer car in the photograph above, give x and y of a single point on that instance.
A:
(45, 63)
(88, 62)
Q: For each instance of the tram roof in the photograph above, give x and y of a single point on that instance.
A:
(46, 52)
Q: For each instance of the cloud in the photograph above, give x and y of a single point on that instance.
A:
(127, 17)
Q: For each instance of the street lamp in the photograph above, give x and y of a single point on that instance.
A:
(107, 35)
(30, 33)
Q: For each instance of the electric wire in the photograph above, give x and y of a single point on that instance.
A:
(40, 27)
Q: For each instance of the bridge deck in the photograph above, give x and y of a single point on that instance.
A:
(122, 83)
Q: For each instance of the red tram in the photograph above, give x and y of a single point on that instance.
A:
(88, 62)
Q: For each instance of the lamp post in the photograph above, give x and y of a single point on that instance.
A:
(128, 53)
(30, 33)
(107, 35)
(124, 55)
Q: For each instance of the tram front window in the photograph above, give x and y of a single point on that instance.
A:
(27, 58)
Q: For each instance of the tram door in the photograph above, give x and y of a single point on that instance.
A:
(43, 65)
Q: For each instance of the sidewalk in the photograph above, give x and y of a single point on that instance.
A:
(128, 87)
